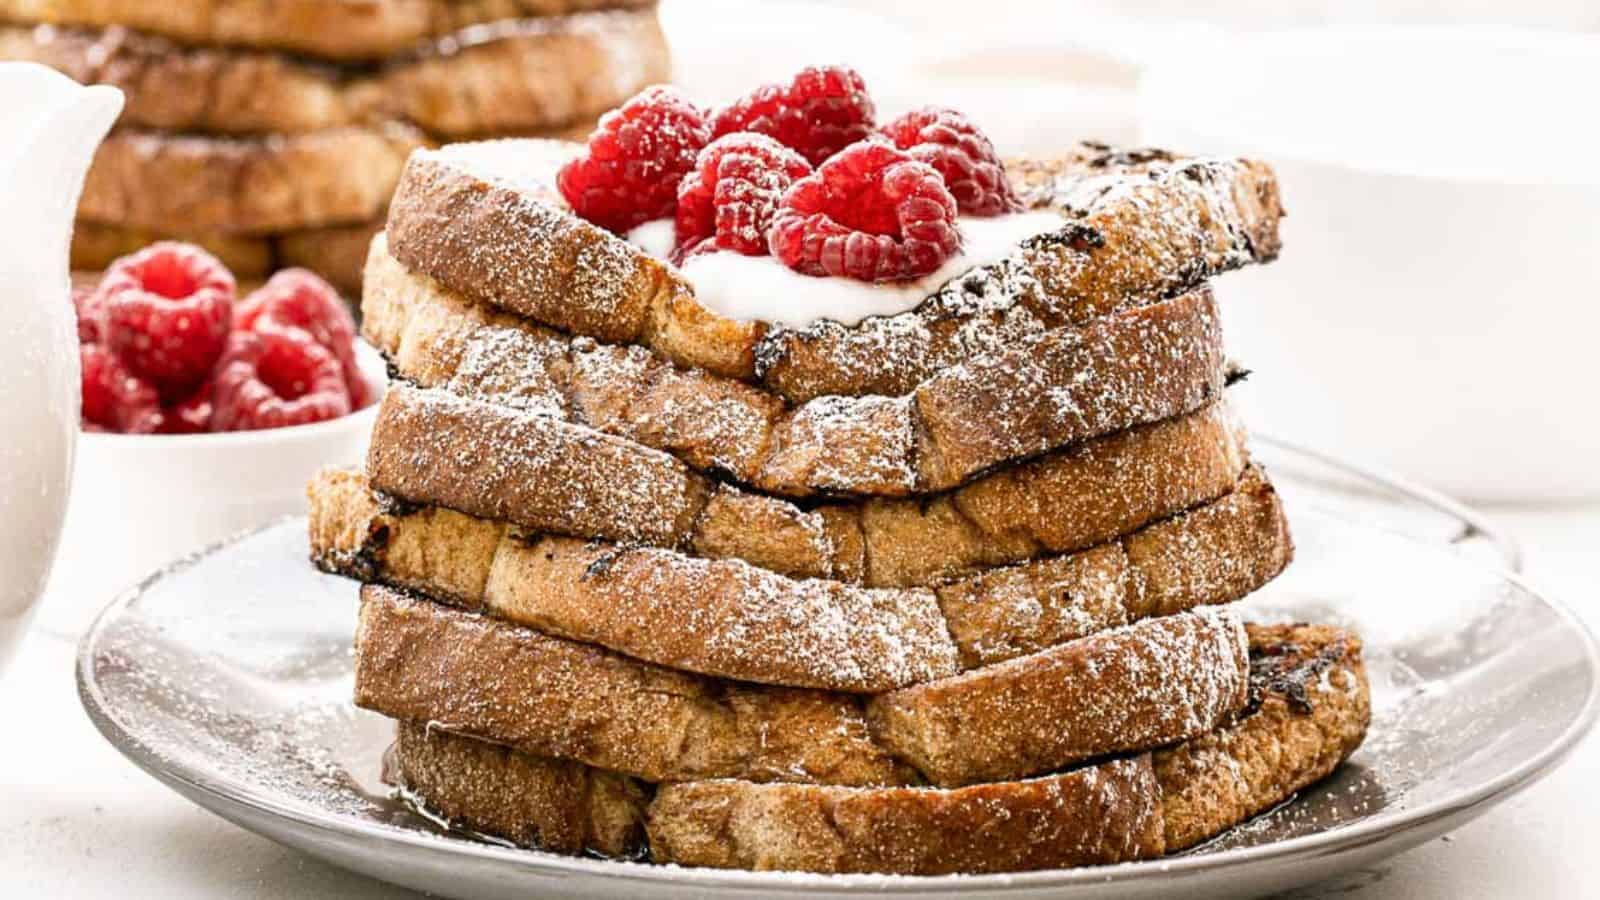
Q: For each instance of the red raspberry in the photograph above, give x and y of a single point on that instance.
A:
(276, 378)
(167, 311)
(733, 193)
(630, 171)
(114, 399)
(951, 143)
(191, 415)
(91, 310)
(822, 111)
(299, 299)
(871, 213)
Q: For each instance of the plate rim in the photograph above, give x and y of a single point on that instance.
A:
(1323, 844)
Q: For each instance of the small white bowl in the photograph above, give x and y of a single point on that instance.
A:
(1435, 308)
(139, 501)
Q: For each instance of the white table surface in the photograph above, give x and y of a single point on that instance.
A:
(77, 820)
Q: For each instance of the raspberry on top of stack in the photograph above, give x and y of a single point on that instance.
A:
(779, 488)
(271, 133)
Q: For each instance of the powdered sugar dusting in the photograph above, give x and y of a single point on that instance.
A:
(1175, 223)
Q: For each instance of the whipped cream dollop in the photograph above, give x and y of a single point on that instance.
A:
(760, 288)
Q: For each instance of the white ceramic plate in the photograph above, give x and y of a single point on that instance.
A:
(227, 677)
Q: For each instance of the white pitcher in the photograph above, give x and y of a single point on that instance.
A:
(49, 129)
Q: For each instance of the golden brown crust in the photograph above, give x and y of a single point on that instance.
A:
(1136, 232)
(1155, 682)
(351, 30)
(1124, 370)
(552, 804)
(179, 184)
(1099, 815)
(1310, 708)
(1212, 554)
(497, 462)
(717, 618)
(547, 696)
(723, 617)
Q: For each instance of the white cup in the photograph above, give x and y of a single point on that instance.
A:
(1437, 305)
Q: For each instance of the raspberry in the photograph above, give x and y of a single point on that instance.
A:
(276, 378)
(167, 310)
(191, 415)
(115, 399)
(948, 141)
(299, 299)
(630, 171)
(733, 193)
(871, 213)
(822, 111)
(91, 310)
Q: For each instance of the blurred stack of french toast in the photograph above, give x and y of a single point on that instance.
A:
(272, 132)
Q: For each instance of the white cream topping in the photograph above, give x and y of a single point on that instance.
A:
(760, 288)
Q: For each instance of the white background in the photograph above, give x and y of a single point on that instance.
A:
(76, 820)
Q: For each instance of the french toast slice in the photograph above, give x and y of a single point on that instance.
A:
(1136, 228)
(509, 77)
(1144, 365)
(533, 801)
(1309, 710)
(347, 30)
(423, 661)
(1039, 823)
(184, 183)
(495, 462)
(728, 619)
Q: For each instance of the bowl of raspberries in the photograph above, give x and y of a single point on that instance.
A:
(207, 407)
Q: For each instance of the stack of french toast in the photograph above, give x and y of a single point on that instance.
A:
(780, 488)
(272, 132)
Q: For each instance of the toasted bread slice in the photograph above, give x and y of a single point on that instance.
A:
(550, 696)
(1310, 710)
(983, 725)
(348, 30)
(95, 247)
(179, 184)
(540, 473)
(533, 801)
(729, 619)
(1146, 365)
(1135, 230)
(1101, 814)
(516, 76)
